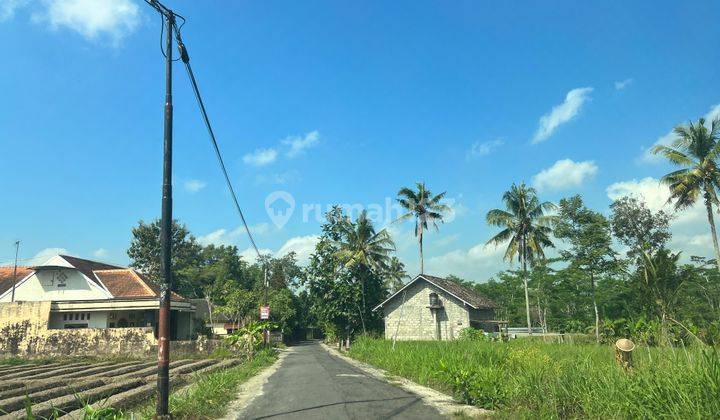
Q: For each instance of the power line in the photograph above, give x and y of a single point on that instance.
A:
(186, 60)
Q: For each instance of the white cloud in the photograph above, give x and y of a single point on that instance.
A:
(483, 149)
(100, 253)
(665, 140)
(565, 174)
(45, 255)
(261, 157)
(92, 18)
(475, 264)
(8, 8)
(623, 84)
(298, 144)
(303, 246)
(656, 195)
(225, 237)
(562, 113)
(250, 255)
(194, 185)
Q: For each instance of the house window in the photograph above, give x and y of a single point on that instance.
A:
(64, 317)
(77, 317)
(82, 316)
(88, 316)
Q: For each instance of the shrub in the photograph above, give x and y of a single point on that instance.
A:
(472, 334)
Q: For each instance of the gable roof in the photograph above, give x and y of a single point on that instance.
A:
(467, 295)
(6, 276)
(119, 282)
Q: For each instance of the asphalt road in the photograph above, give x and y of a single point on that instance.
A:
(313, 384)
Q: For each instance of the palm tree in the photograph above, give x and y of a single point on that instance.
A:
(526, 227)
(424, 207)
(394, 275)
(696, 150)
(362, 246)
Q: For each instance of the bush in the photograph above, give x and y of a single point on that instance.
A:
(472, 334)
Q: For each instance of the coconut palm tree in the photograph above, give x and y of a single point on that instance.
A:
(361, 245)
(696, 150)
(526, 229)
(394, 275)
(424, 207)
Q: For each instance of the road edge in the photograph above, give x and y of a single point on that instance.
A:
(444, 403)
(253, 387)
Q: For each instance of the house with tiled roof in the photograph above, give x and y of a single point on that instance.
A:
(435, 308)
(92, 294)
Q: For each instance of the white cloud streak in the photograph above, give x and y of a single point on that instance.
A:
(565, 174)
(621, 85)
(479, 149)
(194, 185)
(261, 157)
(299, 144)
(561, 114)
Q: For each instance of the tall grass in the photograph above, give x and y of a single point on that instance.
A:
(531, 379)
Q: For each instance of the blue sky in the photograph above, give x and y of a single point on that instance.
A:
(341, 103)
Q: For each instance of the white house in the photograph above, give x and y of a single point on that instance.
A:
(91, 294)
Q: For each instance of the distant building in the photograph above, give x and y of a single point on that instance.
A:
(91, 294)
(434, 308)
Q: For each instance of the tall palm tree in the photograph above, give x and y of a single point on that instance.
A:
(425, 208)
(526, 228)
(361, 245)
(696, 150)
(394, 275)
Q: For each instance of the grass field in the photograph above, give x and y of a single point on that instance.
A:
(531, 379)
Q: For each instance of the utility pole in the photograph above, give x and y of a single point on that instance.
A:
(163, 378)
(17, 248)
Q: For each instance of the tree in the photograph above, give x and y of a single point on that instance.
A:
(696, 150)
(638, 228)
(394, 275)
(364, 252)
(526, 229)
(424, 208)
(145, 254)
(588, 233)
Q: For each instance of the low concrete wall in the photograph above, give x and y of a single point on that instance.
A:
(24, 331)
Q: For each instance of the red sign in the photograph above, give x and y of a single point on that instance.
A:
(264, 312)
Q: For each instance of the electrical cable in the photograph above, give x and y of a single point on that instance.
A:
(186, 60)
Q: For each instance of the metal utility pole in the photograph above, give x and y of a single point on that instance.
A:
(17, 248)
(163, 379)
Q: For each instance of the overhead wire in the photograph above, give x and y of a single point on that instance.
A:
(186, 60)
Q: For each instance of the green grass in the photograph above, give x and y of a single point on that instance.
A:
(534, 379)
(210, 395)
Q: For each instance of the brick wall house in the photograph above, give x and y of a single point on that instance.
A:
(409, 314)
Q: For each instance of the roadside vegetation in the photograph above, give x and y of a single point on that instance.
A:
(529, 378)
(210, 395)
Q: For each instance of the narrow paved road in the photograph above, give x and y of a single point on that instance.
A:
(313, 384)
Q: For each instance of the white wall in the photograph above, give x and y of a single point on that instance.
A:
(44, 285)
(97, 319)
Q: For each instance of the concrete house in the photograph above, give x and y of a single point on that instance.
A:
(91, 294)
(434, 308)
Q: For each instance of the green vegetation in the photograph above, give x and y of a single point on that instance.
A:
(529, 378)
(210, 394)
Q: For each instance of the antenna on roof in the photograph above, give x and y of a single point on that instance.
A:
(17, 248)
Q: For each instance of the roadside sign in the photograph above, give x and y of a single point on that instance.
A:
(264, 312)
